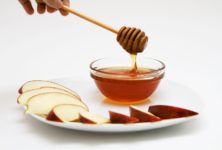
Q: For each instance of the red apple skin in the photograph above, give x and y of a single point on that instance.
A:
(121, 118)
(20, 90)
(52, 117)
(142, 116)
(85, 120)
(170, 112)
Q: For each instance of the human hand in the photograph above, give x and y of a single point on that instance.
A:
(43, 5)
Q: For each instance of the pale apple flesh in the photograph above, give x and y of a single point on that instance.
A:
(143, 116)
(89, 118)
(65, 113)
(42, 104)
(24, 97)
(170, 112)
(121, 118)
(37, 84)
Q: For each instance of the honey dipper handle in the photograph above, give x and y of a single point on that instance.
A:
(66, 8)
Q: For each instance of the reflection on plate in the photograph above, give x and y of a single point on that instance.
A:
(168, 93)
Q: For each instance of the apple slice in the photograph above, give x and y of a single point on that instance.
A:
(120, 118)
(170, 112)
(65, 113)
(86, 117)
(24, 97)
(42, 104)
(142, 115)
(37, 84)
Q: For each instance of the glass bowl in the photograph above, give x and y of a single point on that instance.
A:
(117, 81)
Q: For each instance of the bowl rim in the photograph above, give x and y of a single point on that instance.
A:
(161, 69)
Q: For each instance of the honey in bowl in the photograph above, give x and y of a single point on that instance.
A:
(117, 81)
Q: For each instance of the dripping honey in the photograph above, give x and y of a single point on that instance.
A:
(124, 84)
(134, 65)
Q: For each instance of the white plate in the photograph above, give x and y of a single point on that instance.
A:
(168, 93)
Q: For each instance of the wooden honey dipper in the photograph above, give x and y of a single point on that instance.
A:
(132, 40)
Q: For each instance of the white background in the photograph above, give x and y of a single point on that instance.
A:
(186, 35)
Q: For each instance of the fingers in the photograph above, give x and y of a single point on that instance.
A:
(63, 12)
(27, 6)
(50, 9)
(57, 4)
(41, 7)
(53, 5)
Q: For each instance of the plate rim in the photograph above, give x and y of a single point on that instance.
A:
(114, 128)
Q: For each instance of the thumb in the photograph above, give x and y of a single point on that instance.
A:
(57, 4)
